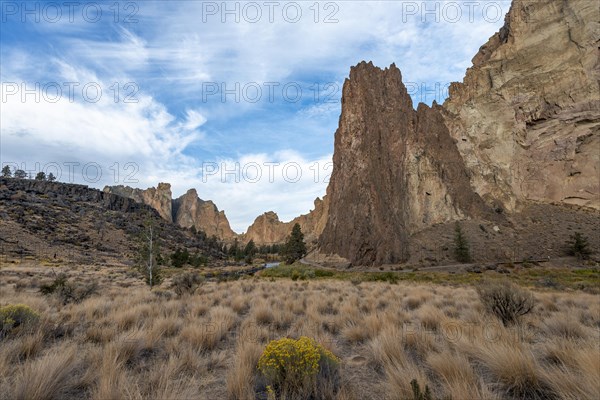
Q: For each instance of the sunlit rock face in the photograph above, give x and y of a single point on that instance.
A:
(396, 171)
(523, 127)
(186, 211)
(191, 211)
(268, 229)
(526, 117)
(158, 198)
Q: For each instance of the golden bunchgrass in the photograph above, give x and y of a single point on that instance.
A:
(128, 342)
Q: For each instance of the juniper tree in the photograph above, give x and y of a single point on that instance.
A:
(294, 248)
(461, 245)
(578, 246)
(250, 251)
(6, 173)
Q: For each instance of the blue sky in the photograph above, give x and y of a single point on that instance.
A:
(161, 67)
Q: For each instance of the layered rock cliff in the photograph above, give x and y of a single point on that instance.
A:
(62, 222)
(158, 198)
(268, 229)
(523, 126)
(396, 170)
(527, 115)
(189, 210)
(186, 211)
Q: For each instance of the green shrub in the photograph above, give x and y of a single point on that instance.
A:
(297, 368)
(389, 276)
(69, 292)
(15, 316)
(309, 274)
(462, 253)
(579, 247)
(187, 283)
(180, 257)
(505, 300)
(322, 273)
(295, 275)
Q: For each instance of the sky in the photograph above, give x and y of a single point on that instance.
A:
(237, 99)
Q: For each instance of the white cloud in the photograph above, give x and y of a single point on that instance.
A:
(170, 52)
(194, 120)
(284, 182)
(143, 142)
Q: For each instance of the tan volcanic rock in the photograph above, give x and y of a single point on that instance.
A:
(527, 115)
(268, 229)
(186, 211)
(158, 198)
(395, 171)
(523, 126)
(189, 210)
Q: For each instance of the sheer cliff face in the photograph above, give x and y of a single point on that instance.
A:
(189, 210)
(526, 117)
(524, 125)
(158, 198)
(268, 229)
(396, 170)
(186, 211)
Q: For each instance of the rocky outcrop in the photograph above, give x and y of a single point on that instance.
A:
(185, 211)
(190, 211)
(63, 223)
(158, 198)
(75, 192)
(527, 115)
(268, 229)
(523, 126)
(313, 223)
(396, 170)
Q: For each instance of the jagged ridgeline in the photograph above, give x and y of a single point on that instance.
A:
(186, 211)
(74, 223)
(513, 153)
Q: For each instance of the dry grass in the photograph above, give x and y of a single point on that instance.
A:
(51, 376)
(132, 343)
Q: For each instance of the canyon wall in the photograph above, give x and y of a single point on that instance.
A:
(158, 198)
(526, 116)
(189, 210)
(186, 211)
(523, 126)
(395, 171)
(268, 229)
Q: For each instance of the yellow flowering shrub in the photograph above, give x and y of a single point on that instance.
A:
(15, 315)
(292, 365)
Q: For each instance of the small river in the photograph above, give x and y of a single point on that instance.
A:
(271, 264)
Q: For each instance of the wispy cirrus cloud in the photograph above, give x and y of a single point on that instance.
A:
(166, 55)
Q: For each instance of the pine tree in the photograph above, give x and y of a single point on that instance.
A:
(51, 177)
(20, 174)
(461, 245)
(250, 251)
(294, 248)
(41, 176)
(235, 251)
(180, 257)
(6, 172)
(579, 247)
